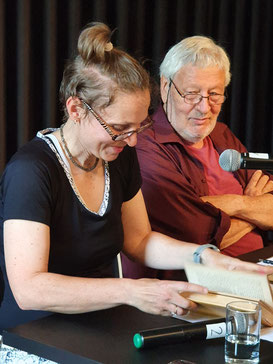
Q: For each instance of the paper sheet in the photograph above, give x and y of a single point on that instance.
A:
(262, 263)
(267, 333)
(193, 317)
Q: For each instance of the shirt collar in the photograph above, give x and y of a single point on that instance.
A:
(164, 132)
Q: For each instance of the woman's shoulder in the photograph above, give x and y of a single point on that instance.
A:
(34, 156)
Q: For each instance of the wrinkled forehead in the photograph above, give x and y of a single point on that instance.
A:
(212, 76)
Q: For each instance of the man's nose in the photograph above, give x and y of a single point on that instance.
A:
(204, 105)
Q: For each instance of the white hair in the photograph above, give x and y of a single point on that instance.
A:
(199, 51)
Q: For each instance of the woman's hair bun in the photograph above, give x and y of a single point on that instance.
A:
(99, 70)
(93, 42)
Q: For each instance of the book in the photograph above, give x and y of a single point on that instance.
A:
(226, 286)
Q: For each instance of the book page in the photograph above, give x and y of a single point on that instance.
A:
(243, 284)
(214, 299)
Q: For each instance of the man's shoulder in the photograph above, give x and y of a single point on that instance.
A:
(223, 138)
(147, 140)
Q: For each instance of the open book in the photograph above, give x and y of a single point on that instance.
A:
(226, 286)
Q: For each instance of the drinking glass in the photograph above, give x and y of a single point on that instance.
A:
(243, 325)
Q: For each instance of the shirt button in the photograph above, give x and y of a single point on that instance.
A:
(203, 180)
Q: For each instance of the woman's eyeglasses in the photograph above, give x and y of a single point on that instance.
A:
(146, 124)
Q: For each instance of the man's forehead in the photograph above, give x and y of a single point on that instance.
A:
(191, 74)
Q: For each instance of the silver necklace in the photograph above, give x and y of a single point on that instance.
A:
(71, 157)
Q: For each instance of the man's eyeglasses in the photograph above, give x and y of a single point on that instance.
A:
(145, 125)
(193, 99)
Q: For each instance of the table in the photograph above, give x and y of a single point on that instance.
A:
(106, 337)
(258, 254)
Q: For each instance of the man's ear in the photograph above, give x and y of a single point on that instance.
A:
(164, 88)
(73, 106)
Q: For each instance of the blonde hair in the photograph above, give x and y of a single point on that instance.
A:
(197, 50)
(100, 70)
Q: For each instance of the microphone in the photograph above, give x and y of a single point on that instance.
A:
(231, 160)
(179, 333)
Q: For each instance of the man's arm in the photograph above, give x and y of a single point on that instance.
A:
(253, 209)
(257, 210)
(238, 229)
(255, 206)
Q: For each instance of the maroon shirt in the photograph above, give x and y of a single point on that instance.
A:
(174, 181)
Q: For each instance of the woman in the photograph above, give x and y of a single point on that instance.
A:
(71, 201)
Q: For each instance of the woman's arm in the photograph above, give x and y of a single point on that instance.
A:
(160, 251)
(148, 247)
(26, 253)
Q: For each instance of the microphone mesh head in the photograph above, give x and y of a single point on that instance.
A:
(237, 323)
(230, 160)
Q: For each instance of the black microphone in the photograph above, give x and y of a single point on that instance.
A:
(179, 333)
(231, 160)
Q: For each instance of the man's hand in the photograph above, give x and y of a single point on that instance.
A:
(259, 184)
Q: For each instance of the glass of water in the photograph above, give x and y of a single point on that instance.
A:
(243, 325)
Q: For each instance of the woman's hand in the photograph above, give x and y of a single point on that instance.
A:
(215, 259)
(162, 297)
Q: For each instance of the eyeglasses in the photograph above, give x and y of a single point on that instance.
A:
(146, 124)
(193, 99)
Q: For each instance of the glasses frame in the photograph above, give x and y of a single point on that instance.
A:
(107, 128)
(200, 96)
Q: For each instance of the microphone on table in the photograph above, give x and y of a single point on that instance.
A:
(180, 333)
(205, 330)
(231, 160)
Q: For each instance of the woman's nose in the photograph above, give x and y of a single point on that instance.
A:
(131, 140)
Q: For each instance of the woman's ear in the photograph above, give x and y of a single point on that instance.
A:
(164, 88)
(73, 106)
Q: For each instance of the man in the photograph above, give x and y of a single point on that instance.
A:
(187, 194)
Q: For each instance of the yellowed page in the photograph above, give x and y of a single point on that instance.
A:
(241, 284)
(215, 304)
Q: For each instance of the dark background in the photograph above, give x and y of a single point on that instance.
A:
(37, 36)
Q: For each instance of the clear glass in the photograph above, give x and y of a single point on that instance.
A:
(243, 326)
